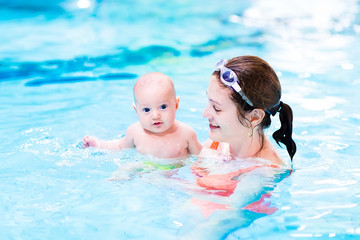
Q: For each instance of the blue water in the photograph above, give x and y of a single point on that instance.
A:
(67, 71)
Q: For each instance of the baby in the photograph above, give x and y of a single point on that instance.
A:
(157, 132)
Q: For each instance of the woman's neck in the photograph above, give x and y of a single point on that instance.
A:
(255, 147)
(250, 147)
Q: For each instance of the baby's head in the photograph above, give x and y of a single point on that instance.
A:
(155, 102)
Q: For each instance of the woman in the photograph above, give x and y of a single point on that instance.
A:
(238, 167)
(243, 94)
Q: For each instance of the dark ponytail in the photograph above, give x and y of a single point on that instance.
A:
(284, 134)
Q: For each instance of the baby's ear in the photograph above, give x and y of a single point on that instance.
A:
(177, 102)
(134, 106)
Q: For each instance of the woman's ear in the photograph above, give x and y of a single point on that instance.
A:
(256, 116)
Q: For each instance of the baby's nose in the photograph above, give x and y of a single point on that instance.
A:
(156, 114)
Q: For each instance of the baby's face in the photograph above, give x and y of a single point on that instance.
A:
(155, 107)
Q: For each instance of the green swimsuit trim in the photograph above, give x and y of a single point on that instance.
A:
(161, 166)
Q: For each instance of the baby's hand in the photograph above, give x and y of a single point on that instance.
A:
(90, 141)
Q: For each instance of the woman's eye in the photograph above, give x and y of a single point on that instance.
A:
(146, 110)
(164, 106)
(216, 109)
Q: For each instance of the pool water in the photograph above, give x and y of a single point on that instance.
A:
(67, 69)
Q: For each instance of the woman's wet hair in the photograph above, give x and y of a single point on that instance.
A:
(260, 84)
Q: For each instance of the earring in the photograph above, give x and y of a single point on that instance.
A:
(250, 131)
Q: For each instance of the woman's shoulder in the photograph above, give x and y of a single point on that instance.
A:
(269, 153)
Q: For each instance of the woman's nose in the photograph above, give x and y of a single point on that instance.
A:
(206, 113)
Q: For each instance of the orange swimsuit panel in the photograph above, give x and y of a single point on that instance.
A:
(225, 184)
(214, 145)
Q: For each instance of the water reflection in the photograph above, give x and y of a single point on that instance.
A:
(303, 38)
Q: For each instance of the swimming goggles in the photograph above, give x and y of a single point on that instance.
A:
(229, 78)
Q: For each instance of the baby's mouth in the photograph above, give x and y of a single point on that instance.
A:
(157, 124)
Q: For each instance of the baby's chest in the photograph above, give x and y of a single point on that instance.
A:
(161, 147)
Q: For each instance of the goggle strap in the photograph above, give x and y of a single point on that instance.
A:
(236, 87)
(246, 99)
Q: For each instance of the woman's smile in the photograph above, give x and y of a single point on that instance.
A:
(213, 127)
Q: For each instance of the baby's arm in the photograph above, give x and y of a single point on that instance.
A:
(117, 144)
(90, 141)
(194, 146)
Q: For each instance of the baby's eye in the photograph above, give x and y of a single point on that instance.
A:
(146, 110)
(164, 106)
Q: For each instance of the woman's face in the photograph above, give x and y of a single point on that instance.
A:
(222, 114)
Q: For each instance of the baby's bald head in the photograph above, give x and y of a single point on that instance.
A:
(156, 81)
